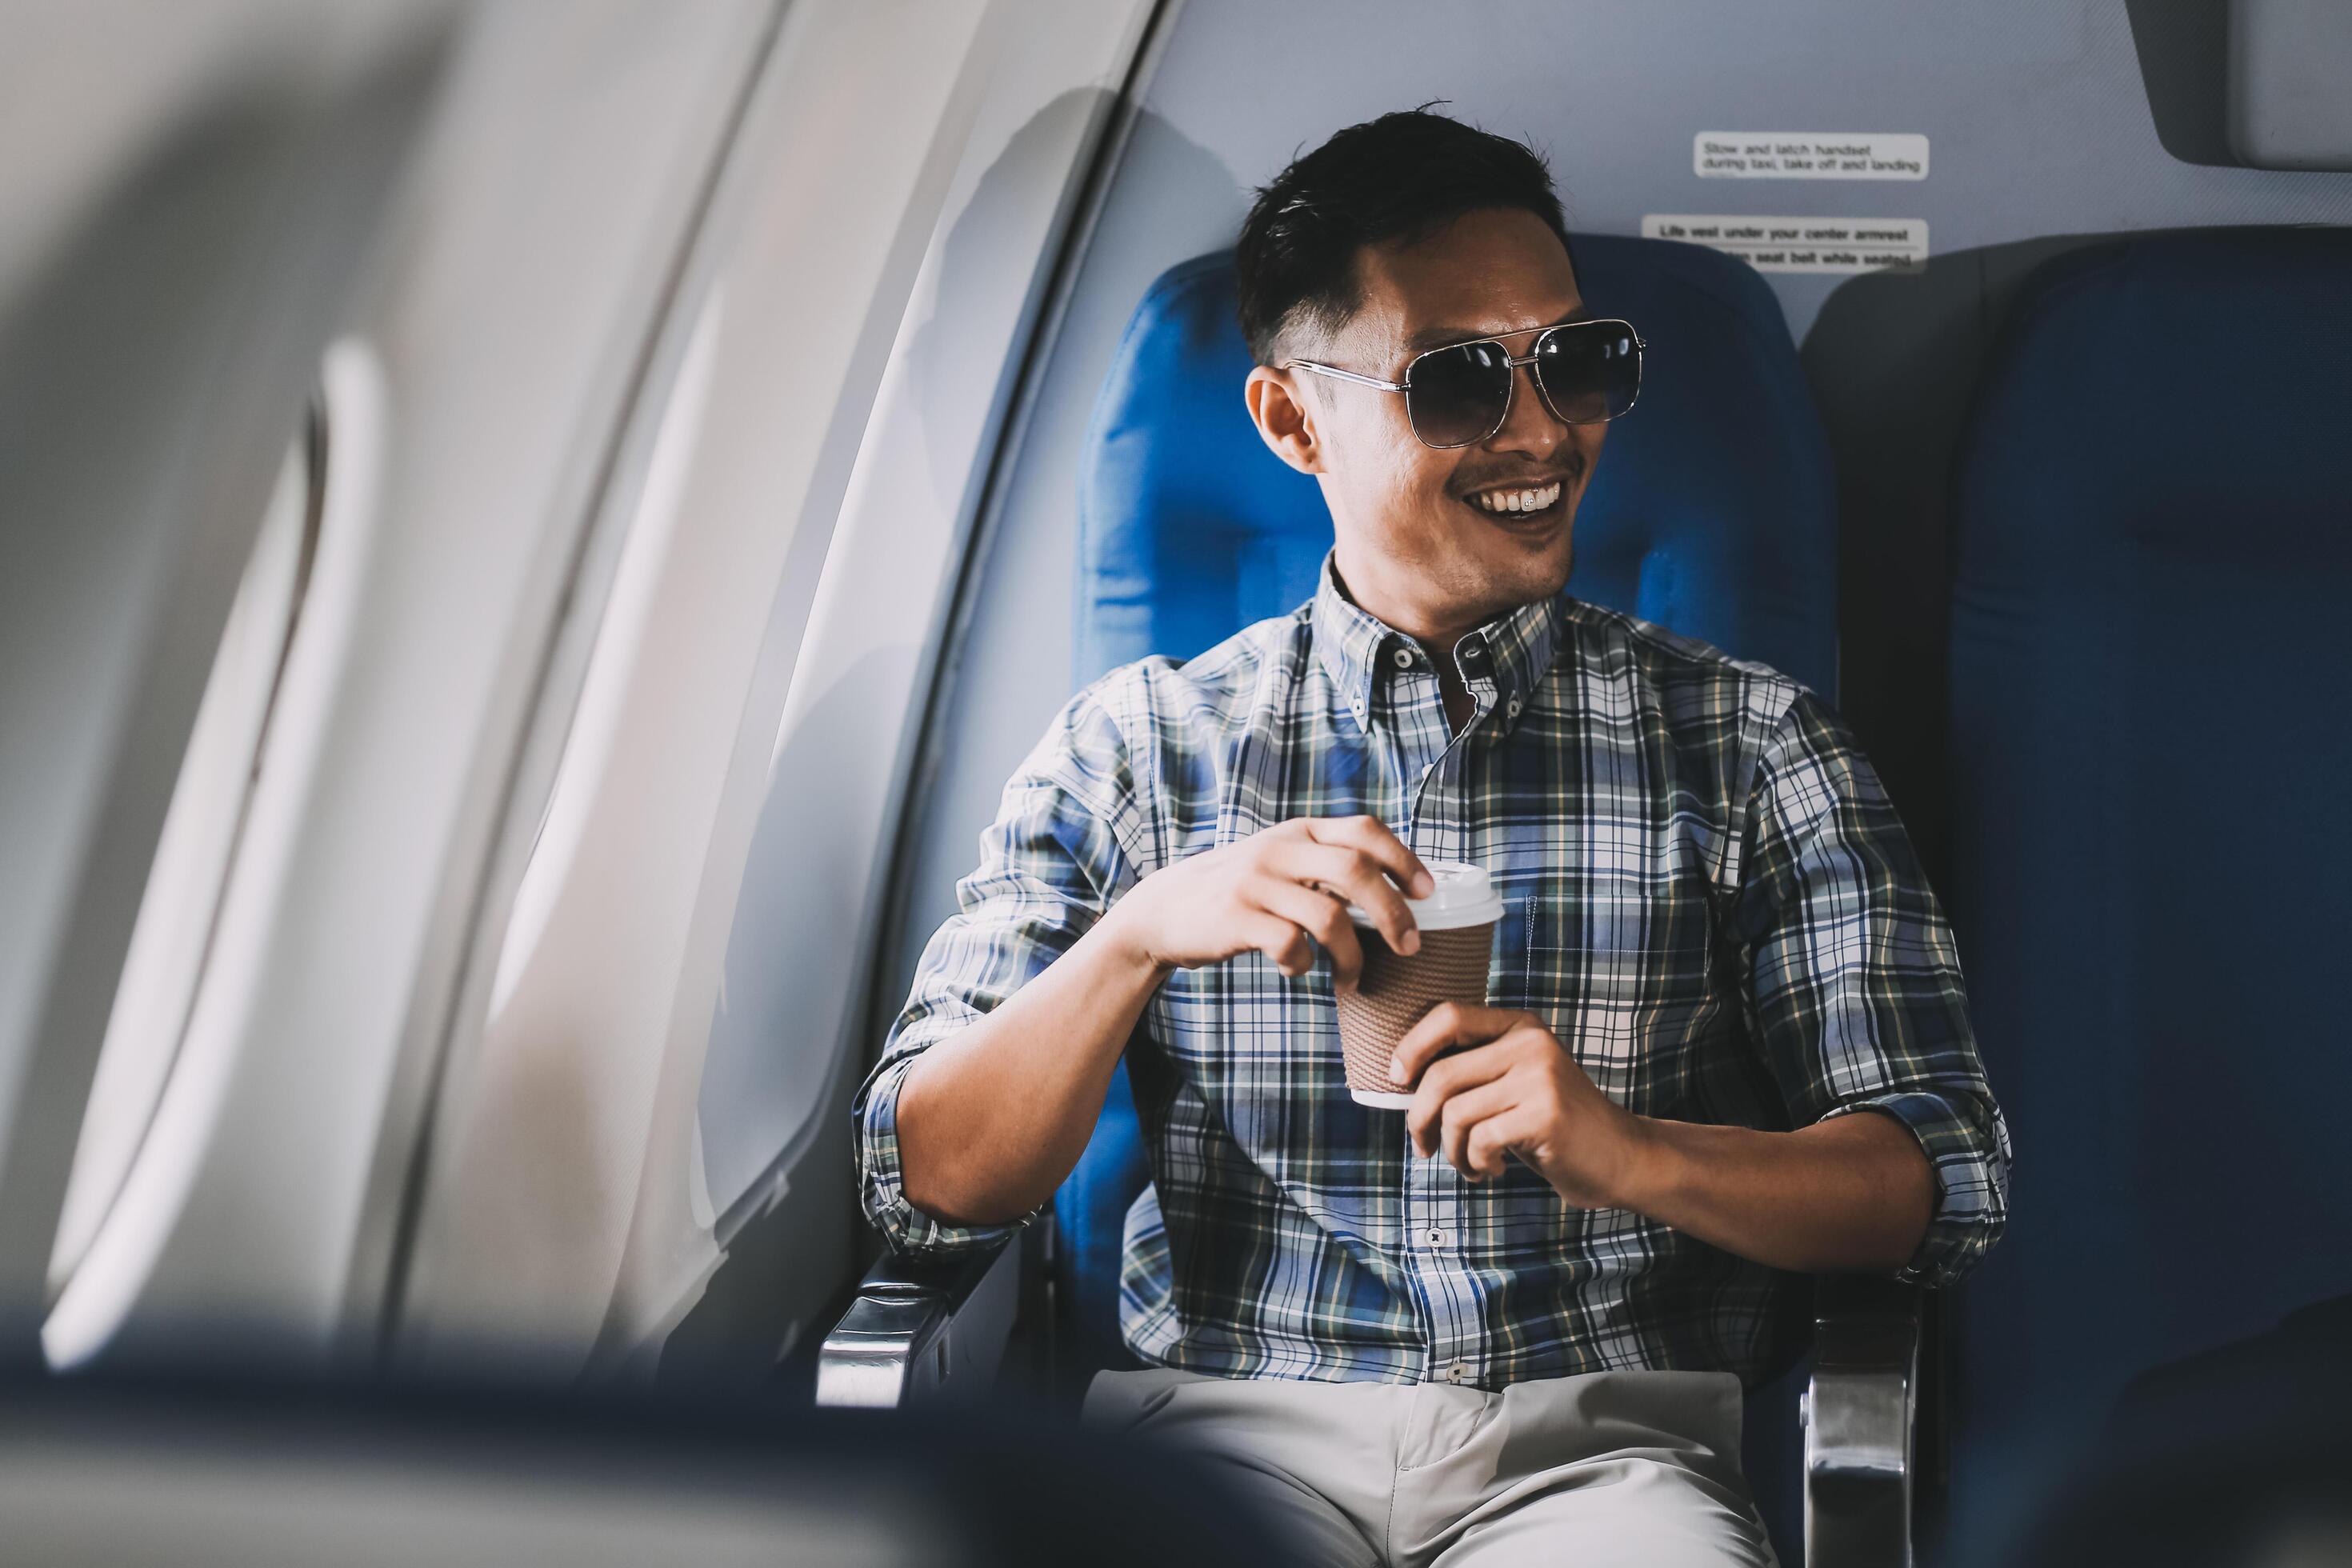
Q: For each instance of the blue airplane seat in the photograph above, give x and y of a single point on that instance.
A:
(2152, 883)
(1712, 512)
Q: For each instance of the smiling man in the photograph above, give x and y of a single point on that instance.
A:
(1511, 1323)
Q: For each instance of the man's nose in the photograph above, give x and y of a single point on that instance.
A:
(1530, 426)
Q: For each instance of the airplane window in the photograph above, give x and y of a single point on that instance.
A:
(546, 1127)
(619, 641)
(634, 1128)
(174, 930)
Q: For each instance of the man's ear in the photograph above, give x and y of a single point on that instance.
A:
(1283, 418)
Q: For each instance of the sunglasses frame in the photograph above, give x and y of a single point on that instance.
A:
(1510, 387)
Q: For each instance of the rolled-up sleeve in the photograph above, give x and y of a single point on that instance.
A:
(1049, 866)
(1853, 982)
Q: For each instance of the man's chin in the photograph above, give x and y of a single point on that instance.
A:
(1537, 569)
(1541, 541)
(1559, 564)
(1492, 585)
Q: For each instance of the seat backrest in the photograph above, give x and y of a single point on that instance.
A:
(1712, 512)
(2151, 750)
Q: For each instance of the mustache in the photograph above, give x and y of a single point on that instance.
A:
(1566, 472)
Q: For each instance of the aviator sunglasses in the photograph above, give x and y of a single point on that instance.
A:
(1586, 372)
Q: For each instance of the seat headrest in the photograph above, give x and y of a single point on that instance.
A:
(1712, 510)
(2187, 391)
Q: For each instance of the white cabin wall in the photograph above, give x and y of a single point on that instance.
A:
(651, 445)
(491, 353)
(1171, 200)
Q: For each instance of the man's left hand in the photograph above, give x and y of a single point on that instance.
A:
(1512, 1089)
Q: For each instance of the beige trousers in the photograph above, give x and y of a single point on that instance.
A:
(1605, 1469)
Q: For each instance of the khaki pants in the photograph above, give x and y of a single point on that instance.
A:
(1605, 1469)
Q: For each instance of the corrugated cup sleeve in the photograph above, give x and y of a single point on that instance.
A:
(1397, 990)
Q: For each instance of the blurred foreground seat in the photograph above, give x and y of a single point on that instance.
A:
(260, 1475)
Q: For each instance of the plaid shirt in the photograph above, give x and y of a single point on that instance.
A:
(1710, 902)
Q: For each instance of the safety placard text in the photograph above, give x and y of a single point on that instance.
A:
(1809, 155)
(1800, 244)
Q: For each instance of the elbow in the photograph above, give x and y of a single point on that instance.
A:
(1943, 1186)
(1915, 1200)
(958, 1207)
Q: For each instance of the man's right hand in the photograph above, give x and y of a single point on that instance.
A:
(1280, 893)
(991, 1117)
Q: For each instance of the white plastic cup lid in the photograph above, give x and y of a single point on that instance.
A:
(1462, 897)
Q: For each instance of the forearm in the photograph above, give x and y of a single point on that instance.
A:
(1851, 1195)
(993, 1118)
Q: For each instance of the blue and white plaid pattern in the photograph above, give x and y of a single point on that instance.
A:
(1709, 900)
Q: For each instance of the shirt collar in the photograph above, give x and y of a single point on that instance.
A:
(1515, 650)
(1349, 641)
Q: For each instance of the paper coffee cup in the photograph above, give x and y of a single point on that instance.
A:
(1397, 990)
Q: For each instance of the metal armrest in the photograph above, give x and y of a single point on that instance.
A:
(1858, 1417)
(920, 1325)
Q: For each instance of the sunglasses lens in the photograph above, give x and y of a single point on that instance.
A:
(1457, 397)
(1589, 371)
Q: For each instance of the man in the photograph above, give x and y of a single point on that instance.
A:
(1509, 1324)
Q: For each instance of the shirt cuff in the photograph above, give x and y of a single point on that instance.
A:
(1968, 1153)
(881, 1180)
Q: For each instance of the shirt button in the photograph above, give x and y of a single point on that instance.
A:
(1473, 652)
(1515, 706)
(1401, 659)
(1436, 1238)
(1458, 1372)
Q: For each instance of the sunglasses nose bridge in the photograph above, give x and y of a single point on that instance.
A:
(1523, 369)
(1512, 366)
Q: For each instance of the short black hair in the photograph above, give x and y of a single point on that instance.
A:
(1401, 177)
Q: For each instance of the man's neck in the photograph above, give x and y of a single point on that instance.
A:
(1460, 705)
(1396, 612)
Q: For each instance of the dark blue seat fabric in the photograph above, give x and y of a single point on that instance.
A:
(1089, 1222)
(2152, 748)
(1712, 512)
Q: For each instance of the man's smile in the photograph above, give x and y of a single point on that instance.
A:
(1529, 501)
(1524, 501)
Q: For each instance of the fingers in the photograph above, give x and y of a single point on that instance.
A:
(1447, 1077)
(1448, 1024)
(1467, 1110)
(1320, 916)
(1280, 940)
(1369, 836)
(1491, 1142)
(1353, 873)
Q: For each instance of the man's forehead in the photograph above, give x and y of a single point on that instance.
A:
(1483, 275)
(1444, 332)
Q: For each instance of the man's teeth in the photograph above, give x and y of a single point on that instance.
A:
(1508, 501)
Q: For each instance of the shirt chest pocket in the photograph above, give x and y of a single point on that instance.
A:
(1623, 974)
